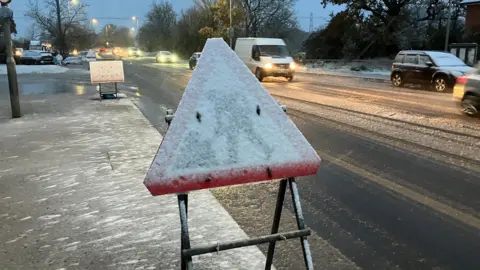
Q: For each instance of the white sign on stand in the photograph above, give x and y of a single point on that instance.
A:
(106, 72)
(103, 72)
(229, 130)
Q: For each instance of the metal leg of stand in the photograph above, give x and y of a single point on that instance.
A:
(100, 91)
(186, 262)
(276, 221)
(116, 90)
(307, 255)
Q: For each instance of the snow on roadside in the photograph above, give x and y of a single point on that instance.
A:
(377, 69)
(36, 69)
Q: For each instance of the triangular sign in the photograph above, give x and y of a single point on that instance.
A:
(227, 130)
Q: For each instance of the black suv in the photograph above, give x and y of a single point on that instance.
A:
(437, 69)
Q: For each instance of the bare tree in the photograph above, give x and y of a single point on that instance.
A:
(33, 32)
(258, 14)
(45, 17)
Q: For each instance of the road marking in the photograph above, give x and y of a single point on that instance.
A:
(442, 208)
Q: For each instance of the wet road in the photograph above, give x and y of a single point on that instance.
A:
(399, 183)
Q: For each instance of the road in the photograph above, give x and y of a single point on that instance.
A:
(399, 181)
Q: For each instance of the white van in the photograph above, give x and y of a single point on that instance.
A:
(266, 57)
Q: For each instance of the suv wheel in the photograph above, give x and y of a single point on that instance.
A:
(471, 105)
(440, 84)
(397, 80)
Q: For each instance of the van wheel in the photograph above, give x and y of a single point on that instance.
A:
(258, 74)
(290, 78)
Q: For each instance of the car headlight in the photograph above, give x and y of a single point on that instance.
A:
(268, 66)
(174, 58)
(162, 58)
(130, 51)
(292, 65)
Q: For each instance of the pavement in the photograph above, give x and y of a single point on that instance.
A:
(399, 183)
(72, 193)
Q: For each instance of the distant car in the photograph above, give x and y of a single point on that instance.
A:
(192, 62)
(166, 57)
(72, 60)
(467, 93)
(134, 52)
(119, 52)
(35, 57)
(436, 69)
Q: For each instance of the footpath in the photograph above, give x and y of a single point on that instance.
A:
(72, 193)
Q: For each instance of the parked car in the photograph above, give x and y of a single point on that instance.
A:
(166, 57)
(436, 69)
(266, 57)
(134, 52)
(467, 93)
(72, 60)
(192, 62)
(35, 57)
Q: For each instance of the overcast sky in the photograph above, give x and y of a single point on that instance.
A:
(107, 10)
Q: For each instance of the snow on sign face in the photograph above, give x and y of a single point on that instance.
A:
(106, 72)
(227, 130)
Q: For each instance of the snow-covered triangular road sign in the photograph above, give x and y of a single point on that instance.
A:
(227, 130)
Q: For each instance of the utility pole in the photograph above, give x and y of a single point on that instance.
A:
(59, 25)
(6, 15)
(447, 34)
(311, 22)
(230, 29)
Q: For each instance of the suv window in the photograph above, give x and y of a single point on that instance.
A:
(399, 58)
(410, 59)
(423, 59)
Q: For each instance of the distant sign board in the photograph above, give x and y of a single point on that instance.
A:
(106, 72)
(227, 130)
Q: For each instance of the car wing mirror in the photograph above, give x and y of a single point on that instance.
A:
(429, 63)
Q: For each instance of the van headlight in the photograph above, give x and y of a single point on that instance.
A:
(268, 66)
(292, 65)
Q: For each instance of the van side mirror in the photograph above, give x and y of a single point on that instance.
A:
(429, 64)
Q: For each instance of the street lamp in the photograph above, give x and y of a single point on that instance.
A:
(74, 2)
(135, 19)
(94, 21)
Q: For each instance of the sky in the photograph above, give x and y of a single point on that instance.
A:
(121, 11)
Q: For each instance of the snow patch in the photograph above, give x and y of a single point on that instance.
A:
(36, 69)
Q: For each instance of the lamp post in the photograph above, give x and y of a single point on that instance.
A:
(135, 19)
(6, 15)
(230, 29)
(447, 34)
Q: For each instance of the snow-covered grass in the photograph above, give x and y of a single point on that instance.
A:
(376, 67)
(35, 69)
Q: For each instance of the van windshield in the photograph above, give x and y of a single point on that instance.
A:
(274, 50)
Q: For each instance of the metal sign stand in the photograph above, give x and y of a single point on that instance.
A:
(107, 91)
(187, 252)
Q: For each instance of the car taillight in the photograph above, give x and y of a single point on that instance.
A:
(462, 80)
